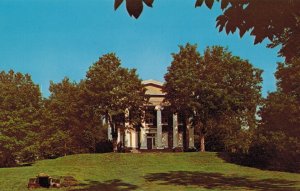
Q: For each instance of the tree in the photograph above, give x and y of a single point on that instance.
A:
(276, 144)
(112, 89)
(278, 21)
(281, 110)
(20, 105)
(212, 86)
(181, 81)
(63, 128)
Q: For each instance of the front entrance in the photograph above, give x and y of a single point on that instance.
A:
(149, 143)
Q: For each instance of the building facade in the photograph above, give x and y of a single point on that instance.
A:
(160, 128)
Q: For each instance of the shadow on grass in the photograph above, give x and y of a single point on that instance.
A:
(220, 181)
(110, 185)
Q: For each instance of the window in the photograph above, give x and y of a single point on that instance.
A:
(149, 120)
(164, 120)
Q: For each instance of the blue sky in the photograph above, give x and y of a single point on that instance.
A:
(51, 39)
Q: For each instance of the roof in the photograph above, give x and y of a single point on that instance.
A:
(155, 82)
(153, 87)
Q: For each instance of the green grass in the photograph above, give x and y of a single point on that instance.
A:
(151, 171)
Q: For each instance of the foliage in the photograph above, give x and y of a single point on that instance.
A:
(20, 104)
(212, 86)
(113, 89)
(181, 81)
(278, 21)
(281, 110)
(288, 77)
(229, 135)
(277, 144)
(275, 150)
(134, 7)
(71, 125)
(104, 146)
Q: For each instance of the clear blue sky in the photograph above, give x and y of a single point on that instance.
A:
(50, 39)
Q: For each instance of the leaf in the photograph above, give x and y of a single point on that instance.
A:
(224, 4)
(118, 3)
(199, 3)
(242, 31)
(221, 28)
(258, 40)
(228, 28)
(221, 22)
(134, 7)
(148, 2)
(209, 3)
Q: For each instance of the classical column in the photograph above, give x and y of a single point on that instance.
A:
(143, 139)
(109, 132)
(175, 130)
(134, 135)
(126, 129)
(127, 138)
(119, 135)
(191, 138)
(190, 135)
(158, 109)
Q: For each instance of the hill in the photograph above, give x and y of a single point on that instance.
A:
(151, 171)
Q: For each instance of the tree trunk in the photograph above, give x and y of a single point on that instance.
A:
(114, 137)
(184, 133)
(187, 129)
(65, 148)
(202, 142)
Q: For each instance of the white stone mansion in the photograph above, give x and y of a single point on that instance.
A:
(161, 129)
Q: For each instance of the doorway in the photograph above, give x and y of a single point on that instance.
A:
(149, 143)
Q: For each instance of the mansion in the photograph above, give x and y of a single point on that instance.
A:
(161, 129)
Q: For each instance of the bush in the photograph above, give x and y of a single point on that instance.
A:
(275, 151)
(7, 160)
(104, 146)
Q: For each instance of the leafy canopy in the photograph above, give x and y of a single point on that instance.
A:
(20, 105)
(278, 21)
(112, 89)
(212, 86)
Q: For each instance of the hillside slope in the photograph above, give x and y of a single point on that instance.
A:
(151, 171)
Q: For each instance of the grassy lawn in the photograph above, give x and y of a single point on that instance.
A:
(151, 171)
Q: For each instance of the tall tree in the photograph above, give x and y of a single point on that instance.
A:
(20, 104)
(281, 111)
(113, 89)
(278, 21)
(181, 81)
(214, 85)
(64, 128)
(276, 144)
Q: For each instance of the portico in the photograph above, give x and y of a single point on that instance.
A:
(160, 128)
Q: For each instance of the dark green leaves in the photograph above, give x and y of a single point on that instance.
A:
(199, 3)
(224, 4)
(134, 7)
(20, 104)
(118, 3)
(209, 3)
(149, 2)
